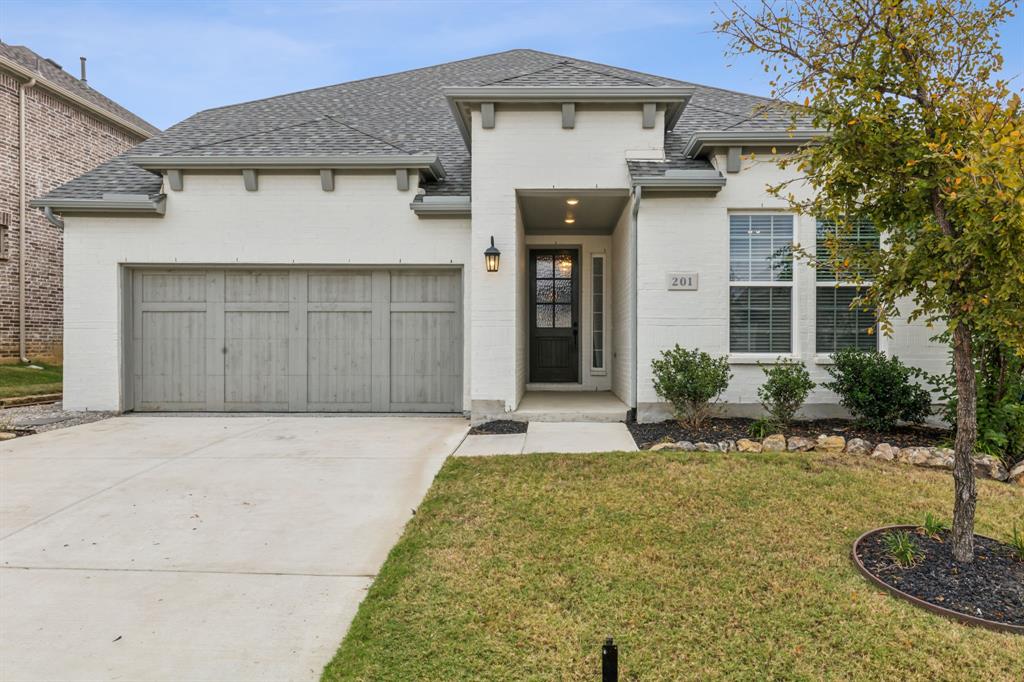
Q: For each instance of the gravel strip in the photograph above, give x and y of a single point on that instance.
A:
(40, 418)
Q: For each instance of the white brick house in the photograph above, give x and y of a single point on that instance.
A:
(325, 250)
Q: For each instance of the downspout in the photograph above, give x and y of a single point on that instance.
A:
(637, 195)
(22, 217)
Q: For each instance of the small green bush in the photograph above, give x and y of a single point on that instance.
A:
(1017, 543)
(691, 380)
(999, 375)
(933, 525)
(760, 429)
(877, 389)
(901, 548)
(785, 389)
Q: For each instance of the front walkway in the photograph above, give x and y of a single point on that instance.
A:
(552, 437)
(200, 548)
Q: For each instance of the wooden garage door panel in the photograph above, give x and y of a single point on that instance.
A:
(340, 287)
(189, 287)
(338, 364)
(424, 371)
(256, 361)
(291, 339)
(173, 359)
(424, 287)
(256, 287)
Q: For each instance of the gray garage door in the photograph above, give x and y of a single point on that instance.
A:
(296, 340)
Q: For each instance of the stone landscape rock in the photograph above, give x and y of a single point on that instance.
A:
(1016, 474)
(915, 456)
(858, 446)
(830, 443)
(885, 452)
(939, 458)
(985, 466)
(990, 467)
(7, 435)
(747, 445)
(800, 444)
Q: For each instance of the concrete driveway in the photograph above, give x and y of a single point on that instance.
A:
(200, 548)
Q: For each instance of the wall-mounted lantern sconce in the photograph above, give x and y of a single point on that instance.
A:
(491, 257)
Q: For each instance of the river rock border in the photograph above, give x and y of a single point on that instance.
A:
(985, 466)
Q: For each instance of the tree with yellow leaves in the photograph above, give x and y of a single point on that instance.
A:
(925, 140)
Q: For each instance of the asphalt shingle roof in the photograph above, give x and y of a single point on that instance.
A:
(58, 76)
(407, 112)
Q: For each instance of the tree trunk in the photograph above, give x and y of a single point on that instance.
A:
(966, 493)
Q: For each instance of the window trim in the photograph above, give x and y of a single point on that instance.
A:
(747, 357)
(603, 369)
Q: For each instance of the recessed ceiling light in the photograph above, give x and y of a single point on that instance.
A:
(572, 202)
(570, 220)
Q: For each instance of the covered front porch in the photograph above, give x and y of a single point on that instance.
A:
(574, 305)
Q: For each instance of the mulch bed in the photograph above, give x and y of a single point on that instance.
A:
(991, 587)
(498, 427)
(734, 428)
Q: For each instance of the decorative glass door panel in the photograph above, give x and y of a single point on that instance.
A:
(554, 318)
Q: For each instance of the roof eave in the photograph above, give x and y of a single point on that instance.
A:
(453, 206)
(120, 205)
(704, 184)
(703, 140)
(430, 163)
(43, 81)
(674, 97)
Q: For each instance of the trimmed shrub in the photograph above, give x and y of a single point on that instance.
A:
(784, 390)
(877, 389)
(691, 380)
(999, 375)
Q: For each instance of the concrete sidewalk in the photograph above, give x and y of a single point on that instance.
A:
(214, 548)
(552, 437)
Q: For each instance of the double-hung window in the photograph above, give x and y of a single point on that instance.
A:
(840, 323)
(760, 283)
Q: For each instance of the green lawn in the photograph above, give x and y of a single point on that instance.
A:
(19, 380)
(703, 566)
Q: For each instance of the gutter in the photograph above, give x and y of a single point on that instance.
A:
(694, 182)
(441, 206)
(22, 227)
(429, 163)
(28, 74)
(124, 204)
(703, 140)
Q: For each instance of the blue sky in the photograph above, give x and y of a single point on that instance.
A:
(166, 60)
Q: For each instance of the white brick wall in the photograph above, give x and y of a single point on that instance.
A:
(692, 235)
(622, 303)
(290, 220)
(529, 149)
(366, 220)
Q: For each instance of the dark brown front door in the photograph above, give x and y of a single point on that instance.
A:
(554, 316)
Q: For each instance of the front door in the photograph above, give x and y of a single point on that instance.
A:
(554, 316)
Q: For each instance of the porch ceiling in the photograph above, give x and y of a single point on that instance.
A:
(544, 211)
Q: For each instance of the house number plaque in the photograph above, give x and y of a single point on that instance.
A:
(681, 281)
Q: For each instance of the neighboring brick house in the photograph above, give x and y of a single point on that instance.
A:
(69, 129)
